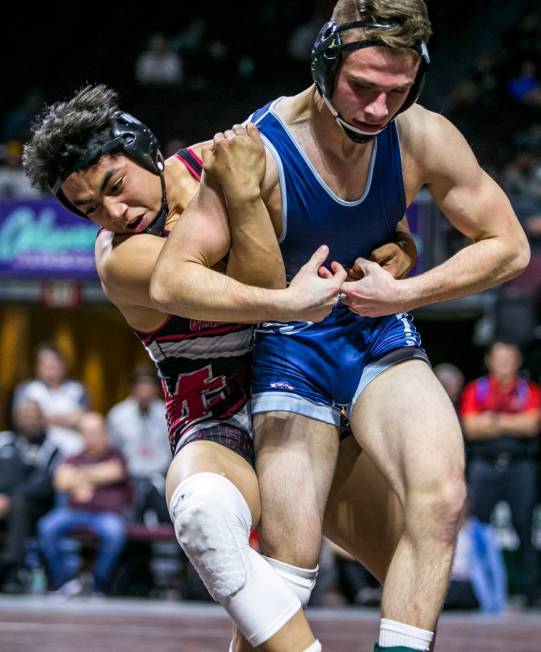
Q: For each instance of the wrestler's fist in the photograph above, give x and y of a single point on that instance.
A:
(313, 291)
(236, 161)
(398, 258)
(375, 294)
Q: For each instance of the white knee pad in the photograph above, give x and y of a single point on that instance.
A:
(300, 580)
(212, 522)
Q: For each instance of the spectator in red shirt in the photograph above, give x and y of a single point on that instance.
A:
(501, 416)
(98, 490)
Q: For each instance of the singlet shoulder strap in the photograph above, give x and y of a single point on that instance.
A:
(191, 161)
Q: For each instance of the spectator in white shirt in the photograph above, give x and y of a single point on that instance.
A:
(159, 65)
(137, 427)
(62, 401)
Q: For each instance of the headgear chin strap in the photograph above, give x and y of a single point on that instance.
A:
(327, 57)
(130, 136)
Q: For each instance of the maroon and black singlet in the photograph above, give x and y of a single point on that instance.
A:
(204, 368)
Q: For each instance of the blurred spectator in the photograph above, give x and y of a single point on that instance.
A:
(137, 427)
(452, 380)
(522, 176)
(13, 181)
(159, 65)
(525, 87)
(98, 489)
(501, 415)
(478, 89)
(303, 38)
(478, 577)
(525, 37)
(191, 39)
(27, 461)
(63, 401)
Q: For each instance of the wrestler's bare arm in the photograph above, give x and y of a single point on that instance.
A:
(255, 256)
(183, 281)
(473, 203)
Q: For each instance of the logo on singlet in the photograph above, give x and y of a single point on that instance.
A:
(201, 325)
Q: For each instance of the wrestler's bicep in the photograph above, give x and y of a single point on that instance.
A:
(201, 235)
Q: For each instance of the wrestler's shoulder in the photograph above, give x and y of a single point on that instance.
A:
(418, 125)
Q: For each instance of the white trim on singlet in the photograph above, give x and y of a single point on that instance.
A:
(282, 181)
(376, 368)
(269, 401)
(316, 174)
(201, 348)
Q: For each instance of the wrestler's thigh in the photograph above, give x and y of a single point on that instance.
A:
(211, 457)
(363, 515)
(295, 460)
(407, 425)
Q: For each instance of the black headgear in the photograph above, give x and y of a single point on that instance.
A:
(130, 136)
(327, 57)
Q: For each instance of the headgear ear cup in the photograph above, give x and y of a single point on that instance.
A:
(326, 58)
(328, 49)
(130, 136)
(138, 141)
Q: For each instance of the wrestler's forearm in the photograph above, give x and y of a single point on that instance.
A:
(255, 257)
(478, 267)
(196, 292)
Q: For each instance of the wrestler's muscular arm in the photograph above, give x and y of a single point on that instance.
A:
(254, 257)
(184, 283)
(127, 284)
(437, 155)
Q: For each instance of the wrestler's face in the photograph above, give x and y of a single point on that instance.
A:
(116, 193)
(372, 85)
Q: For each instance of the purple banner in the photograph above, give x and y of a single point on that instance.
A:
(40, 239)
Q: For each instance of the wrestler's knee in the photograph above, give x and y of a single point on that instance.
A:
(212, 531)
(435, 513)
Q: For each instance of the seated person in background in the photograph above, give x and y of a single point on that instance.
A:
(138, 428)
(62, 401)
(27, 460)
(500, 417)
(99, 492)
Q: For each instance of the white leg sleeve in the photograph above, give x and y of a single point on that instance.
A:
(212, 522)
(300, 580)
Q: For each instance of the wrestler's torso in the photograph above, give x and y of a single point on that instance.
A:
(203, 366)
(346, 176)
(353, 215)
(353, 206)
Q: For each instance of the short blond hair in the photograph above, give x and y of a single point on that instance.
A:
(410, 16)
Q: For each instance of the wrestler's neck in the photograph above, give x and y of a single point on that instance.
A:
(176, 192)
(307, 113)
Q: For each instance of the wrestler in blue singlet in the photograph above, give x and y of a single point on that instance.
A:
(313, 369)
